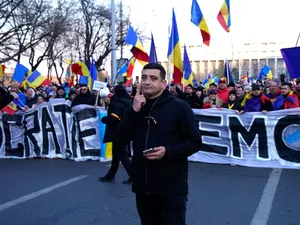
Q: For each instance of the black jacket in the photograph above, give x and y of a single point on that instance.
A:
(87, 99)
(5, 100)
(118, 107)
(169, 122)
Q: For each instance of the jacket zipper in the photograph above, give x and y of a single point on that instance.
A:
(146, 142)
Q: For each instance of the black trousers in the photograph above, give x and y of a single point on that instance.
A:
(161, 210)
(119, 154)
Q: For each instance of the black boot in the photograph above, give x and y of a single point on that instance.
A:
(128, 181)
(106, 178)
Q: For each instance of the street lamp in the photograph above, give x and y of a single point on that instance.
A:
(113, 42)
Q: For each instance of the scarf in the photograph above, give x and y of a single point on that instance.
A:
(251, 103)
(280, 100)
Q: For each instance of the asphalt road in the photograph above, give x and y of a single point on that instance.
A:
(60, 192)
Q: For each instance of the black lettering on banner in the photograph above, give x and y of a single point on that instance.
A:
(64, 109)
(80, 116)
(258, 128)
(28, 133)
(1, 138)
(73, 140)
(211, 147)
(46, 120)
(283, 150)
(9, 150)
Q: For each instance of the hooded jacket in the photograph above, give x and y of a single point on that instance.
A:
(115, 113)
(86, 99)
(168, 122)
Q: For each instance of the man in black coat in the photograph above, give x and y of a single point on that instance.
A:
(164, 123)
(6, 98)
(84, 97)
(115, 113)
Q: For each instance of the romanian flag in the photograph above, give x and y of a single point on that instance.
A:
(224, 16)
(11, 108)
(198, 19)
(36, 79)
(2, 70)
(291, 58)
(137, 50)
(130, 67)
(19, 73)
(227, 72)
(188, 75)
(265, 72)
(93, 71)
(174, 51)
(153, 55)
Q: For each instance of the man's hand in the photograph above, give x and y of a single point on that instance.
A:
(138, 101)
(157, 155)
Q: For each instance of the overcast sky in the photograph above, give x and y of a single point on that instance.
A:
(252, 20)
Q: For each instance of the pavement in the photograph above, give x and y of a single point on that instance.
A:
(61, 192)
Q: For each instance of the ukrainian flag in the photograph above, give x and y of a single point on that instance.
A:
(35, 79)
(224, 17)
(174, 51)
(198, 19)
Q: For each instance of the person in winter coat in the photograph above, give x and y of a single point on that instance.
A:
(115, 112)
(212, 100)
(255, 101)
(189, 96)
(199, 98)
(222, 90)
(84, 97)
(6, 98)
(30, 98)
(287, 99)
(164, 133)
(233, 103)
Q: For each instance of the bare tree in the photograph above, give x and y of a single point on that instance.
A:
(92, 35)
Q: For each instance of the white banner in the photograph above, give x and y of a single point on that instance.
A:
(51, 130)
(251, 139)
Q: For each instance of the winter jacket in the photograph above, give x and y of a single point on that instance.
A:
(5, 100)
(87, 99)
(168, 122)
(223, 94)
(115, 113)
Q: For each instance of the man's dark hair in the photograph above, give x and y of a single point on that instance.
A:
(158, 67)
(240, 87)
(287, 84)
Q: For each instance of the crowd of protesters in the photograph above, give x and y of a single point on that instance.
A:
(261, 96)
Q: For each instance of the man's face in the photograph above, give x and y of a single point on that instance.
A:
(273, 87)
(61, 92)
(152, 85)
(239, 91)
(237, 86)
(188, 90)
(213, 96)
(230, 88)
(53, 88)
(83, 90)
(285, 90)
(29, 93)
(256, 92)
(222, 85)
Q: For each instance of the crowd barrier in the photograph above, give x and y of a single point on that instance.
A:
(54, 130)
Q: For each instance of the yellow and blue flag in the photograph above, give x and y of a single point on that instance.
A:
(188, 75)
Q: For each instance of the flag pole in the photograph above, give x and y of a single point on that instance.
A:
(113, 43)
(169, 62)
(297, 40)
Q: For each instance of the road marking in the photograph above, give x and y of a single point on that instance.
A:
(263, 210)
(39, 193)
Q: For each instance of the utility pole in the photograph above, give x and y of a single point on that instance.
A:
(113, 43)
(121, 26)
